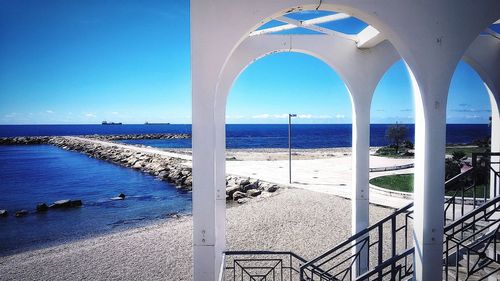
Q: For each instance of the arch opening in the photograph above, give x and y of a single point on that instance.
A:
(264, 94)
(392, 131)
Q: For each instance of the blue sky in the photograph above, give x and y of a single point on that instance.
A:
(87, 61)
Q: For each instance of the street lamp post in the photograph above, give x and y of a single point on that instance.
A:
(290, 146)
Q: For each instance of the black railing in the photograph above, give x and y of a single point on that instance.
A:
(399, 267)
(384, 251)
(471, 188)
(470, 243)
(261, 265)
(341, 262)
(383, 257)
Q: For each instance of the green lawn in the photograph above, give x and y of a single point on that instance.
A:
(467, 149)
(404, 183)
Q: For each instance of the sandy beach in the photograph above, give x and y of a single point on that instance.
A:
(302, 221)
(306, 217)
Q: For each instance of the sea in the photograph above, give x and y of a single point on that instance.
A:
(33, 174)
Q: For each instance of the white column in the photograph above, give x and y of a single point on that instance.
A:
(495, 142)
(430, 142)
(360, 173)
(220, 184)
(203, 190)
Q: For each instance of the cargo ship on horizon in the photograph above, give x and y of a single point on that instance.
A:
(111, 123)
(148, 123)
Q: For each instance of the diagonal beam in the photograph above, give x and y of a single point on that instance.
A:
(272, 29)
(306, 25)
(334, 17)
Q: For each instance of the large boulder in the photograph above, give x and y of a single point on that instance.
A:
(238, 195)
(230, 190)
(22, 213)
(249, 186)
(138, 165)
(4, 213)
(273, 188)
(121, 196)
(254, 192)
(188, 181)
(62, 204)
(244, 182)
(42, 207)
(76, 203)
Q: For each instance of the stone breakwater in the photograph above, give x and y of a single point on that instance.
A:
(170, 169)
(25, 140)
(174, 170)
(47, 139)
(139, 137)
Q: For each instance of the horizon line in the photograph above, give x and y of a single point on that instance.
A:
(190, 124)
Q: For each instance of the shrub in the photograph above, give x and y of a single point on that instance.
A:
(458, 155)
(408, 144)
(452, 168)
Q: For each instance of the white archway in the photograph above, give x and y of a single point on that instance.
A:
(431, 37)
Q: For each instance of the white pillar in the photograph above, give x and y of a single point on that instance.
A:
(204, 206)
(430, 141)
(220, 183)
(360, 174)
(495, 142)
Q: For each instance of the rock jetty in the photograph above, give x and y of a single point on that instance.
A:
(170, 169)
(48, 139)
(173, 170)
(139, 137)
(24, 140)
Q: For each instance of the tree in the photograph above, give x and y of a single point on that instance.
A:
(396, 134)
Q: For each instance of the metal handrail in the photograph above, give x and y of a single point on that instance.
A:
(472, 213)
(467, 244)
(234, 253)
(379, 268)
(340, 257)
(361, 240)
(361, 233)
(259, 264)
(354, 240)
(475, 171)
(222, 269)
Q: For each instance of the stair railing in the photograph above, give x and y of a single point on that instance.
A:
(260, 265)
(471, 187)
(475, 234)
(338, 263)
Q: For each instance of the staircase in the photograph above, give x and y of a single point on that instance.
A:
(384, 251)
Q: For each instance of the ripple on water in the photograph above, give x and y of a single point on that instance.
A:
(44, 173)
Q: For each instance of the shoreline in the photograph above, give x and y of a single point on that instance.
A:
(282, 221)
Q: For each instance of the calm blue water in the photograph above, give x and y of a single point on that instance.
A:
(250, 136)
(315, 136)
(44, 173)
